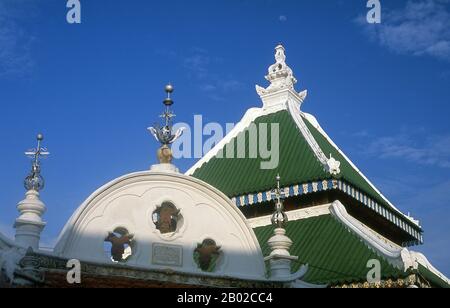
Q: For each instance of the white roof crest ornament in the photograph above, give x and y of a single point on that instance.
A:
(280, 76)
(334, 166)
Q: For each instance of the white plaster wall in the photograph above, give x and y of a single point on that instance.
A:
(129, 202)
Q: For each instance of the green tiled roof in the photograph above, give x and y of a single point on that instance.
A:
(334, 254)
(348, 173)
(431, 277)
(297, 164)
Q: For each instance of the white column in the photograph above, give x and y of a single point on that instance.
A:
(29, 224)
(280, 259)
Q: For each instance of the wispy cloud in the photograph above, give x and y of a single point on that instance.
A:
(283, 18)
(415, 147)
(15, 43)
(421, 28)
(361, 134)
(198, 64)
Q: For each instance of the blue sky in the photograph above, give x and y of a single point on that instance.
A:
(380, 91)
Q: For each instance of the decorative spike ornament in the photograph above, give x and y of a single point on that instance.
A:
(164, 134)
(29, 224)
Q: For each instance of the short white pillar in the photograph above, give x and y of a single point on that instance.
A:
(280, 259)
(29, 224)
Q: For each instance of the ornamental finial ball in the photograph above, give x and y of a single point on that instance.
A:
(169, 88)
(40, 137)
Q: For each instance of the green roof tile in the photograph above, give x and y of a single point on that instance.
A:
(432, 277)
(297, 164)
(348, 173)
(334, 254)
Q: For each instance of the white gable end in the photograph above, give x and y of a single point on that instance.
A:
(130, 203)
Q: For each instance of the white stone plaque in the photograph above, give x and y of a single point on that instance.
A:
(167, 255)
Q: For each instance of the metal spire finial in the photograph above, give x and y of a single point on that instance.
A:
(168, 102)
(35, 181)
(164, 133)
(279, 217)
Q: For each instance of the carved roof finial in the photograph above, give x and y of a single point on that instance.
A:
(280, 76)
(280, 56)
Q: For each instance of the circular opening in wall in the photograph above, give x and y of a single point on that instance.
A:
(167, 218)
(118, 245)
(207, 255)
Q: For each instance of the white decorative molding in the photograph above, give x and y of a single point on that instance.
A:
(316, 124)
(296, 115)
(164, 168)
(391, 251)
(310, 212)
(333, 166)
(396, 255)
(250, 116)
(386, 248)
(412, 260)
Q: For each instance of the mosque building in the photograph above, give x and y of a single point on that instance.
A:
(313, 221)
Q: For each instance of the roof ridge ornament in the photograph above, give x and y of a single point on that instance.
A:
(29, 224)
(333, 166)
(279, 217)
(164, 133)
(279, 259)
(281, 78)
(35, 181)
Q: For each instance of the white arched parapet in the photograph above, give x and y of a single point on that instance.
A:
(129, 203)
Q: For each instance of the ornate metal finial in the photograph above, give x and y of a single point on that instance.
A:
(35, 181)
(163, 133)
(279, 217)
